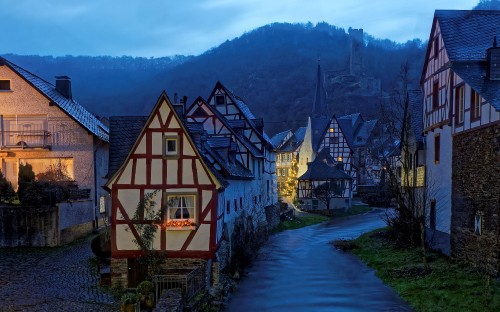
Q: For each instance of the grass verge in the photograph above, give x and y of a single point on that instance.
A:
(310, 219)
(448, 286)
(300, 222)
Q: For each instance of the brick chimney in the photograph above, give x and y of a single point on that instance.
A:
(493, 58)
(63, 86)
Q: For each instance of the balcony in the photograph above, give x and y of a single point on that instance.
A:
(26, 139)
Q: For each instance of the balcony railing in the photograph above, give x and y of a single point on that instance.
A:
(26, 139)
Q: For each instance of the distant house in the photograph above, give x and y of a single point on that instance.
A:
(412, 165)
(461, 116)
(213, 169)
(324, 185)
(43, 125)
(287, 145)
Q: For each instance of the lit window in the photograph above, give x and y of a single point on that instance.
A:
(340, 159)
(102, 204)
(181, 210)
(331, 130)
(5, 85)
(170, 147)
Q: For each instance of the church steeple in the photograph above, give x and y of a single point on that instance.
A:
(319, 105)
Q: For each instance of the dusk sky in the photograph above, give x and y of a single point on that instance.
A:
(169, 27)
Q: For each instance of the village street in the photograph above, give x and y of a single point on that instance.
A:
(51, 279)
(299, 270)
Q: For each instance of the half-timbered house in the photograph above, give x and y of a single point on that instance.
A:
(287, 146)
(325, 184)
(205, 172)
(461, 116)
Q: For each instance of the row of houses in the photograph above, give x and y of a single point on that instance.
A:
(208, 166)
(455, 137)
(342, 152)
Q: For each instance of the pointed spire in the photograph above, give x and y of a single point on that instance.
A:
(319, 105)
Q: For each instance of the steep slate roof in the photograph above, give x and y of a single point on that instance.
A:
(231, 125)
(245, 111)
(69, 106)
(319, 104)
(467, 34)
(300, 133)
(474, 74)
(318, 128)
(124, 131)
(415, 103)
(323, 168)
(277, 139)
(364, 132)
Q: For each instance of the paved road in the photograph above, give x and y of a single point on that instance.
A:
(52, 279)
(299, 270)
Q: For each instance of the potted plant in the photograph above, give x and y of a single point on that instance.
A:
(146, 291)
(129, 302)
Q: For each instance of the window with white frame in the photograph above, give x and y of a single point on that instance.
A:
(170, 146)
(181, 210)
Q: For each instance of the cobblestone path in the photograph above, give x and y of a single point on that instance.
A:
(52, 279)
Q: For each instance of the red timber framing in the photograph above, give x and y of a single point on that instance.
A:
(216, 126)
(147, 169)
(437, 82)
(335, 142)
(226, 104)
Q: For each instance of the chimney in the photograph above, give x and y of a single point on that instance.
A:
(63, 86)
(180, 108)
(493, 58)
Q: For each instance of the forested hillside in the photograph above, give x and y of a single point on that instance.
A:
(273, 68)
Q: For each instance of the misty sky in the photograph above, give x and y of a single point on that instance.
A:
(168, 27)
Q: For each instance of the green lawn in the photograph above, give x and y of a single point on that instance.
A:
(311, 218)
(300, 222)
(450, 285)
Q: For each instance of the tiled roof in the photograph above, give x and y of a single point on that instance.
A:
(318, 128)
(277, 139)
(300, 133)
(123, 132)
(219, 142)
(69, 106)
(474, 74)
(233, 169)
(415, 103)
(323, 168)
(467, 34)
(364, 132)
(236, 123)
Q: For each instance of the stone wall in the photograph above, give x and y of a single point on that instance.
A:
(29, 226)
(119, 272)
(476, 198)
(272, 216)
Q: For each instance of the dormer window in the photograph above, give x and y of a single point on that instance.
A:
(220, 100)
(170, 146)
(5, 85)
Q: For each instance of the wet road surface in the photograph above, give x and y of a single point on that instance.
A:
(299, 270)
(56, 279)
